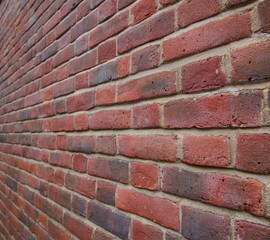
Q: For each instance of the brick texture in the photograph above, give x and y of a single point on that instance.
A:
(134, 119)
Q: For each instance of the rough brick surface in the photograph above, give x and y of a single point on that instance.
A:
(134, 119)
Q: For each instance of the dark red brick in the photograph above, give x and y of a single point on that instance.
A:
(106, 192)
(247, 230)
(142, 232)
(106, 144)
(142, 10)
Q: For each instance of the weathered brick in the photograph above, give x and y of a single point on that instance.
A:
(146, 116)
(264, 15)
(155, 85)
(106, 51)
(219, 32)
(79, 228)
(81, 184)
(217, 189)
(105, 95)
(81, 45)
(144, 175)
(106, 192)
(253, 153)
(63, 56)
(143, 231)
(195, 10)
(46, 141)
(61, 159)
(231, 3)
(81, 80)
(145, 58)
(64, 123)
(59, 177)
(63, 88)
(106, 144)
(197, 224)
(155, 147)
(155, 28)
(81, 102)
(110, 119)
(124, 3)
(79, 205)
(81, 122)
(113, 221)
(83, 62)
(247, 230)
(79, 163)
(60, 196)
(106, 10)
(85, 144)
(142, 10)
(202, 75)
(221, 110)
(57, 232)
(206, 151)
(159, 210)
(99, 235)
(172, 236)
(114, 169)
(249, 63)
(108, 29)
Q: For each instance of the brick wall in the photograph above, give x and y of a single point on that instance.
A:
(124, 119)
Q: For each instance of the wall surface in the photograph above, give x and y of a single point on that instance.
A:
(144, 120)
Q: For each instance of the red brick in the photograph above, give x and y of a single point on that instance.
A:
(87, 24)
(83, 10)
(145, 175)
(106, 144)
(63, 56)
(79, 228)
(81, 122)
(123, 66)
(146, 116)
(247, 230)
(155, 147)
(106, 51)
(79, 205)
(145, 58)
(217, 189)
(249, 63)
(155, 28)
(81, 45)
(79, 163)
(106, 10)
(44, 172)
(61, 159)
(85, 144)
(59, 177)
(106, 192)
(108, 29)
(124, 3)
(99, 235)
(56, 232)
(253, 153)
(46, 141)
(61, 196)
(63, 88)
(105, 95)
(64, 123)
(202, 75)
(159, 210)
(206, 151)
(221, 110)
(81, 81)
(146, 232)
(197, 224)
(62, 73)
(83, 62)
(109, 168)
(218, 33)
(155, 85)
(142, 10)
(110, 119)
(81, 184)
(264, 15)
(195, 10)
(231, 3)
(167, 2)
(81, 102)
(61, 142)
